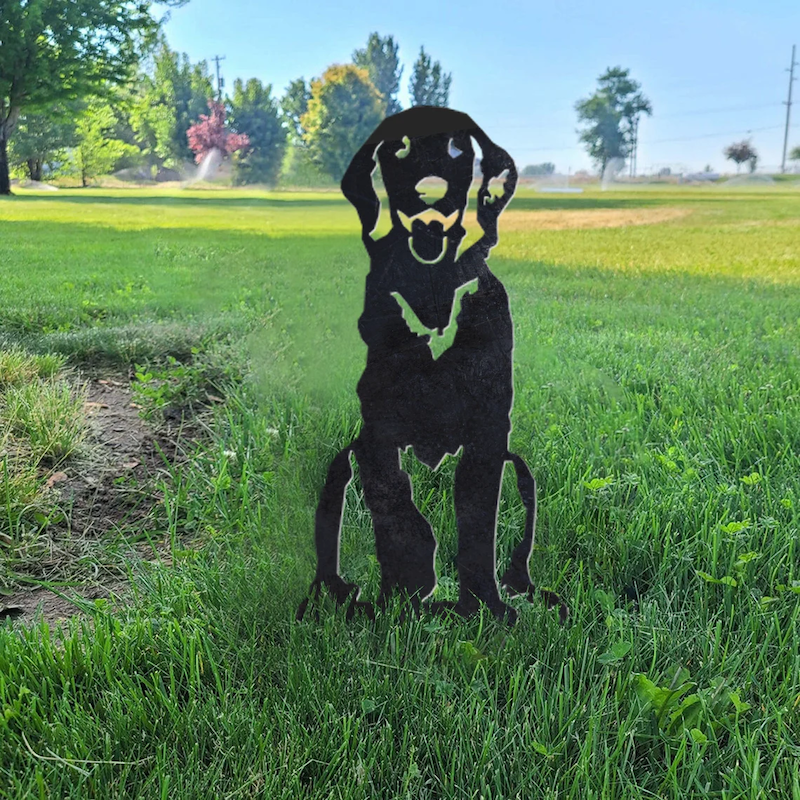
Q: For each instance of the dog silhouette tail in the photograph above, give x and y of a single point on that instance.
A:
(327, 533)
(517, 577)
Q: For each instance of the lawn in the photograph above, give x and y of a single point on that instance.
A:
(657, 400)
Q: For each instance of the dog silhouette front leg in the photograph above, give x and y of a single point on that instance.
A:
(479, 477)
(404, 540)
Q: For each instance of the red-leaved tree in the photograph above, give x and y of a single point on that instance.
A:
(210, 134)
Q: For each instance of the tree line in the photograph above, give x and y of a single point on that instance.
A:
(92, 87)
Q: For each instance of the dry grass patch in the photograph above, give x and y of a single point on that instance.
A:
(588, 218)
(48, 416)
(18, 367)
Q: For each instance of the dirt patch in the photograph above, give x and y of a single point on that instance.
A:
(109, 495)
(43, 604)
(587, 218)
(105, 493)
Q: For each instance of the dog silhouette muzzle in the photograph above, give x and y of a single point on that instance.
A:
(428, 241)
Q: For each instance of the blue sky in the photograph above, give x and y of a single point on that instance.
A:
(713, 69)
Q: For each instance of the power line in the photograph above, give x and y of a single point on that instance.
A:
(661, 141)
(718, 110)
(693, 112)
(712, 135)
(788, 109)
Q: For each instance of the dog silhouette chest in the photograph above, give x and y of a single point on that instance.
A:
(439, 339)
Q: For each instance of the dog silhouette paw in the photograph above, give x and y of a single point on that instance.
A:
(364, 607)
(447, 607)
(552, 600)
(515, 583)
(337, 588)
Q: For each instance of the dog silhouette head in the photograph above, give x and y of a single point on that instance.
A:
(414, 149)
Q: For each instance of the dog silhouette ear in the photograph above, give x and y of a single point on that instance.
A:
(494, 163)
(357, 187)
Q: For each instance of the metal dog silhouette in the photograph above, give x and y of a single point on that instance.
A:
(439, 368)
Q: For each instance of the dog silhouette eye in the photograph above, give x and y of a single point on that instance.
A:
(496, 188)
(453, 151)
(406, 149)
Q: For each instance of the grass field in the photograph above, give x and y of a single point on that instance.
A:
(657, 399)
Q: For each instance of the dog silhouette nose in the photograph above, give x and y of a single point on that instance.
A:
(431, 189)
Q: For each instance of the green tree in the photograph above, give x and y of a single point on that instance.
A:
(53, 51)
(610, 116)
(294, 105)
(170, 100)
(429, 85)
(41, 139)
(794, 155)
(123, 100)
(379, 59)
(298, 170)
(97, 151)
(343, 110)
(253, 111)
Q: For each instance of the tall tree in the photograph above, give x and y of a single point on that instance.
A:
(52, 51)
(610, 116)
(379, 59)
(254, 112)
(98, 151)
(294, 105)
(794, 155)
(343, 110)
(170, 101)
(742, 152)
(41, 139)
(429, 85)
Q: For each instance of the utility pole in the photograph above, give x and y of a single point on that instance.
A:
(632, 148)
(634, 145)
(220, 81)
(788, 105)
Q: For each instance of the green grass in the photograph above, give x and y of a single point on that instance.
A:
(658, 401)
(42, 423)
(49, 417)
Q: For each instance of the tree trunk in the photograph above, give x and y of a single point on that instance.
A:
(35, 169)
(8, 121)
(5, 179)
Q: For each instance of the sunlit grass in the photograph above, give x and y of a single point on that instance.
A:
(18, 367)
(49, 416)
